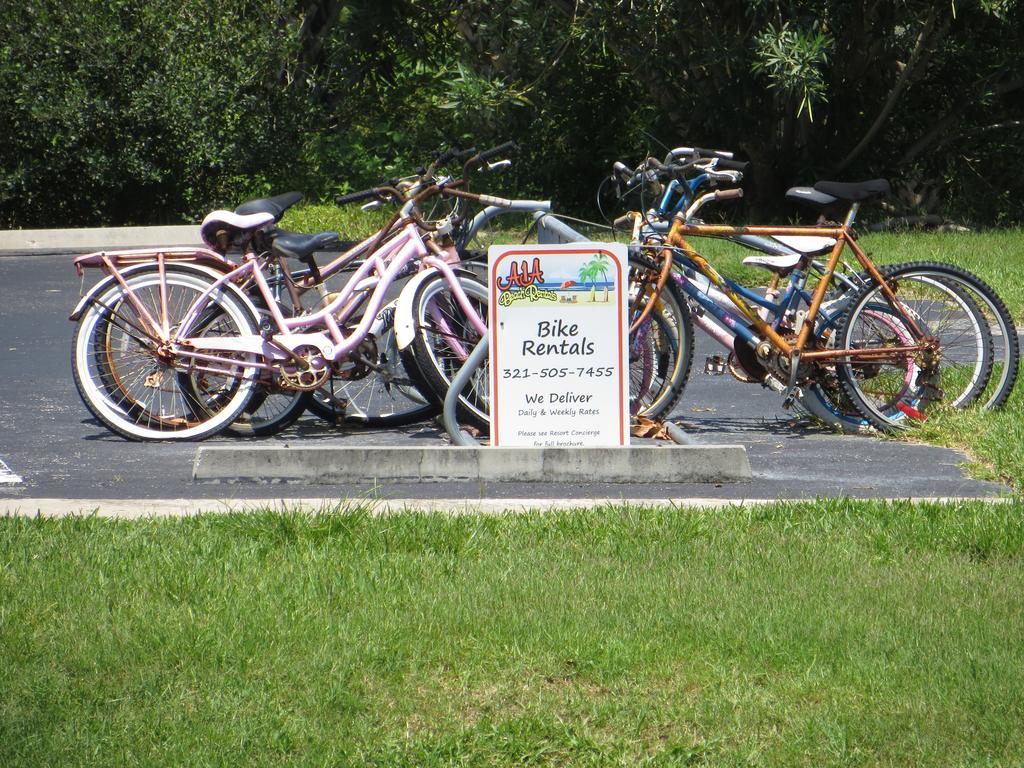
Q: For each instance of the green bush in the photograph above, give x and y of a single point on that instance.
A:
(122, 112)
(148, 111)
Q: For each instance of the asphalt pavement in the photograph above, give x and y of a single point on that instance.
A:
(51, 447)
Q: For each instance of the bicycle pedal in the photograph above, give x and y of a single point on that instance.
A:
(714, 365)
(791, 398)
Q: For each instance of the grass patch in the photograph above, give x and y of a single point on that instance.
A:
(349, 221)
(827, 633)
(994, 440)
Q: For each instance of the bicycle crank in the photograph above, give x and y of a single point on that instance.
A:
(310, 371)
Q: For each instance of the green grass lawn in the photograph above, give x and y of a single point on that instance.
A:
(832, 633)
(819, 634)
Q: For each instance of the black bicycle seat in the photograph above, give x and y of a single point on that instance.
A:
(302, 247)
(854, 192)
(275, 206)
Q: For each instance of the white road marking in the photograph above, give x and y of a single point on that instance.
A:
(6, 476)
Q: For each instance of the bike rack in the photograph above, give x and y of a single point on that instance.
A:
(549, 230)
(476, 358)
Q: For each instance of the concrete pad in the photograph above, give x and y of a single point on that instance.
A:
(97, 238)
(333, 464)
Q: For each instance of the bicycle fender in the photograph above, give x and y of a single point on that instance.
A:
(405, 325)
(90, 296)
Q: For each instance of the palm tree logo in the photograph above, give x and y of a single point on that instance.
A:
(589, 272)
(587, 275)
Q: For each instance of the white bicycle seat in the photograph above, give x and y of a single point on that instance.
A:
(774, 263)
(806, 244)
(236, 224)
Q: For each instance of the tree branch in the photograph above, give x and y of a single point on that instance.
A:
(319, 19)
(941, 128)
(916, 57)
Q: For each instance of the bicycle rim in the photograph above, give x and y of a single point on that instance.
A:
(895, 391)
(444, 337)
(661, 349)
(138, 393)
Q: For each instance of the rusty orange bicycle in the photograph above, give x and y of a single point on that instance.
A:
(904, 338)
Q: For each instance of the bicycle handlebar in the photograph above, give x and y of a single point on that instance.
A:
(449, 191)
(480, 160)
(733, 165)
(728, 194)
(651, 170)
(623, 170)
(356, 197)
(454, 154)
(501, 149)
(714, 153)
(700, 152)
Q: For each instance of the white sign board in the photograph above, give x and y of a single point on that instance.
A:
(559, 368)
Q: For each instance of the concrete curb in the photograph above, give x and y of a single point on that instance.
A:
(141, 509)
(635, 464)
(30, 241)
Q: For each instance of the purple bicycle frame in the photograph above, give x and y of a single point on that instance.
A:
(377, 272)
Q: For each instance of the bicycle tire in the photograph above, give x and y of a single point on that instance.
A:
(661, 349)
(885, 407)
(134, 392)
(826, 400)
(672, 324)
(1006, 344)
(382, 398)
(443, 337)
(269, 412)
(322, 405)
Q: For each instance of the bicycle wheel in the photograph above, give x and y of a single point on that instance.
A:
(444, 335)
(1002, 338)
(896, 389)
(272, 408)
(661, 349)
(269, 411)
(382, 395)
(136, 389)
(825, 398)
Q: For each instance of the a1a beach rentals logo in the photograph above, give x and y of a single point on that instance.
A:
(522, 283)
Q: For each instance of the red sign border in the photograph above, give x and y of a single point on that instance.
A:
(493, 298)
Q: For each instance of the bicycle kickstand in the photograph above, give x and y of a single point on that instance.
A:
(792, 391)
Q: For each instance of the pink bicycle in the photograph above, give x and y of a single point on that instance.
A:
(170, 348)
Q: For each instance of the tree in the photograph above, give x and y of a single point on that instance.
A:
(118, 112)
(588, 274)
(805, 89)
